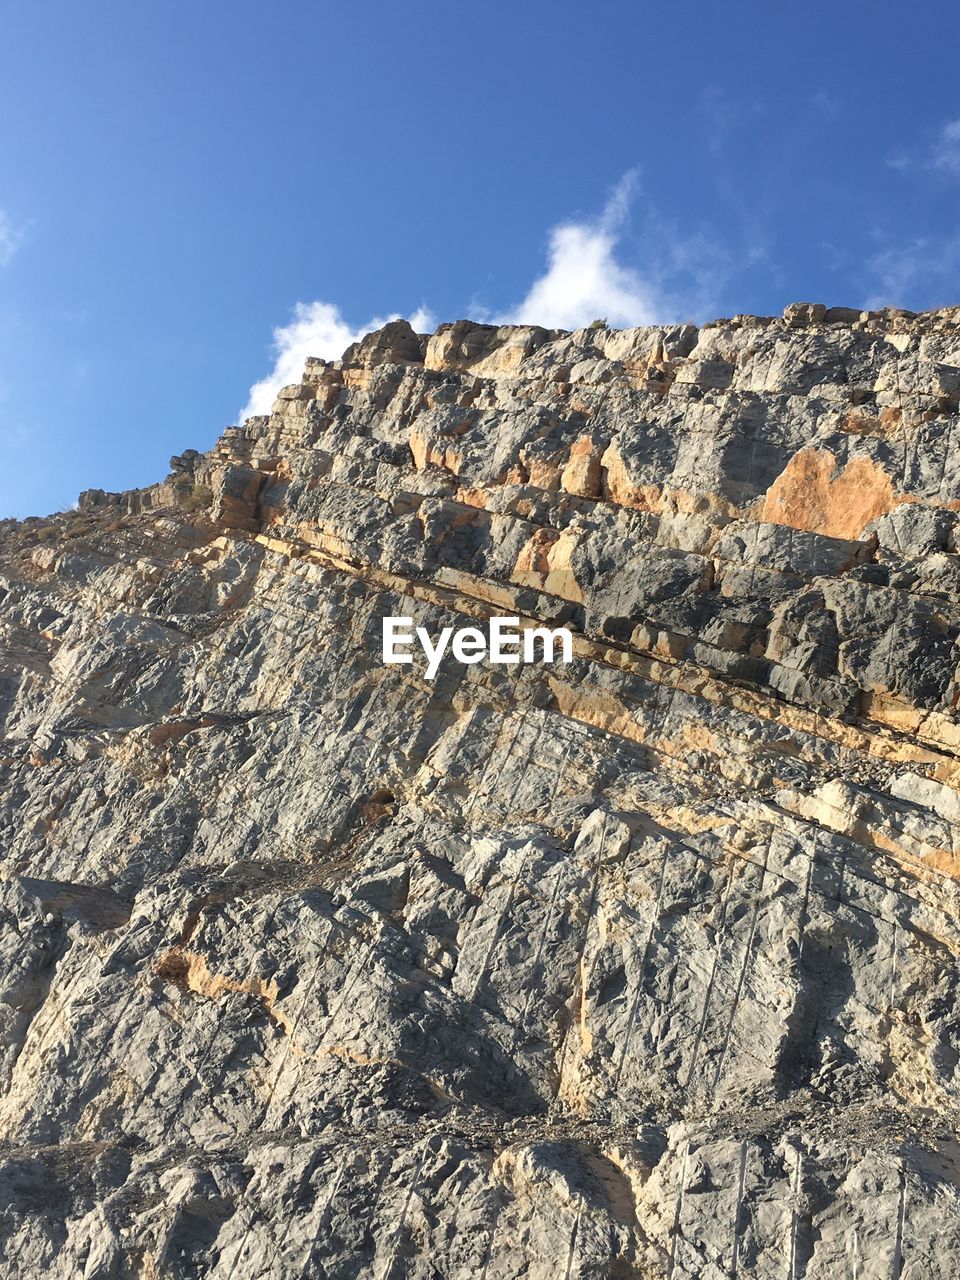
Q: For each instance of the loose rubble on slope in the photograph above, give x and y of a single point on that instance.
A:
(644, 965)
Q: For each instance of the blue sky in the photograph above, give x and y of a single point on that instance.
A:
(193, 193)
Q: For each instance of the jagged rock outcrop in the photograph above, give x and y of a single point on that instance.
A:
(644, 965)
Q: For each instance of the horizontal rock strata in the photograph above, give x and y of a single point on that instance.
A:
(644, 965)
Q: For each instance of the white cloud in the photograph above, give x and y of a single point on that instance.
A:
(946, 150)
(317, 329)
(584, 281)
(586, 278)
(10, 239)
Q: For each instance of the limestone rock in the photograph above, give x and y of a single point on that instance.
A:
(644, 965)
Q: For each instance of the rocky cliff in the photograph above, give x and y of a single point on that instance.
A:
(644, 965)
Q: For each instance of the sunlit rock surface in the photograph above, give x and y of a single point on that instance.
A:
(641, 966)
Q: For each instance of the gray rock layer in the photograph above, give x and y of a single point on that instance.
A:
(644, 965)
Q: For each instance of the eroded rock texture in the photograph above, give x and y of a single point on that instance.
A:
(642, 966)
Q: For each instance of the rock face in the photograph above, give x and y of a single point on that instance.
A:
(644, 965)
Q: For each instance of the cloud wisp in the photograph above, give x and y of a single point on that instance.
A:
(10, 238)
(946, 149)
(584, 280)
(920, 270)
(942, 155)
(917, 273)
(587, 278)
